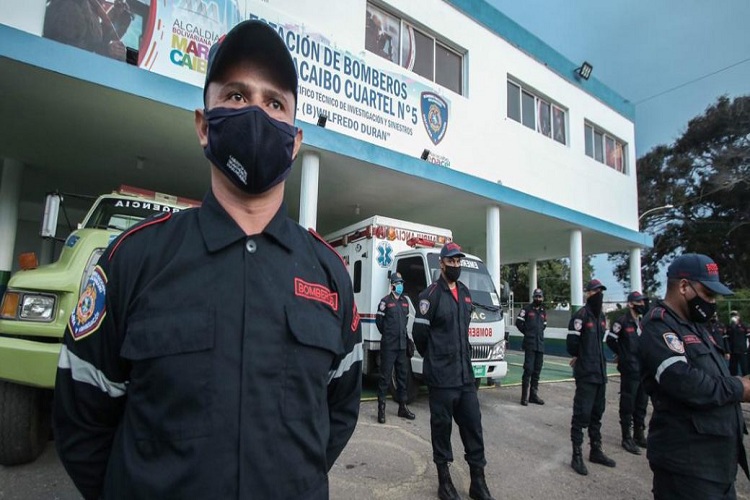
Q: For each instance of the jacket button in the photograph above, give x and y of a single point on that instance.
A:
(251, 246)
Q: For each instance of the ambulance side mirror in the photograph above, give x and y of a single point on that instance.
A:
(51, 213)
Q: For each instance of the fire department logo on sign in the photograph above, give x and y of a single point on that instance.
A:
(434, 116)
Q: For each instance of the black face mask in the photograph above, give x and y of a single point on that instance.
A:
(252, 149)
(700, 309)
(595, 303)
(537, 301)
(452, 273)
(640, 310)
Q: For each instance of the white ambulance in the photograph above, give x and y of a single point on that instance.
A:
(379, 246)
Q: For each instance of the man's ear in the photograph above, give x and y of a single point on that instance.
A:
(201, 127)
(297, 143)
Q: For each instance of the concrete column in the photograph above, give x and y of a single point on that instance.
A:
(635, 270)
(308, 192)
(493, 245)
(532, 278)
(576, 270)
(10, 193)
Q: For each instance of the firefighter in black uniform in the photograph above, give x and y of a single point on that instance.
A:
(622, 339)
(531, 321)
(719, 335)
(391, 319)
(584, 343)
(216, 352)
(696, 429)
(738, 344)
(441, 335)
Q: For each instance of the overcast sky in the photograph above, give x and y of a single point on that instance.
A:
(641, 48)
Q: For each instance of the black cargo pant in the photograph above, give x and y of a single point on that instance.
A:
(461, 404)
(633, 401)
(669, 485)
(738, 360)
(588, 408)
(532, 366)
(388, 360)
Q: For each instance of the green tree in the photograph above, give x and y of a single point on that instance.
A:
(553, 277)
(705, 175)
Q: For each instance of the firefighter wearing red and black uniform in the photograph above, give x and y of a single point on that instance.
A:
(441, 335)
(391, 320)
(531, 321)
(623, 339)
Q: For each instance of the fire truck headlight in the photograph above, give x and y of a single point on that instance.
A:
(37, 307)
(497, 352)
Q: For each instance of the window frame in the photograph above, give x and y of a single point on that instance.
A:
(438, 43)
(600, 140)
(536, 103)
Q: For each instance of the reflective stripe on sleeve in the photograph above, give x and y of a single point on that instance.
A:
(422, 321)
(613, 335)
(380, 313)
(667, 363)
(573, 332)
(85, 372)
(345, 364)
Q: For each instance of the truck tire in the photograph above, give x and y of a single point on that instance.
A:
(24, 423)
(412, 386)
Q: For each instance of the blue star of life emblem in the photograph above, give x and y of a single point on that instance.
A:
(385, 254)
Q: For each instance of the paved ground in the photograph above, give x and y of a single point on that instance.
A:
(528, 450)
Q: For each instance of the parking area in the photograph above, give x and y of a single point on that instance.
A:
(527, 448)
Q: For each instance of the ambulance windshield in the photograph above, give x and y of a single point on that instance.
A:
(475, 276)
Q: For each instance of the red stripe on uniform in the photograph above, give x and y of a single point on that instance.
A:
(157, 220)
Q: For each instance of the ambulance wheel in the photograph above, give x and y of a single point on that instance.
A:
(412, 386)
(25, 423)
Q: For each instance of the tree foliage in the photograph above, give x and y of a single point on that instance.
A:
(553, 277)
(705, 175)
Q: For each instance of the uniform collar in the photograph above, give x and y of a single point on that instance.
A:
(220, 230)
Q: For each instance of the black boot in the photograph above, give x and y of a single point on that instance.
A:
(404, 412)
(381, 411)
(446, 490)
(525, 394)
(478, 489)
(597, 455)
(639, 436)
(577, 462)
(627, 440)
(535, 397)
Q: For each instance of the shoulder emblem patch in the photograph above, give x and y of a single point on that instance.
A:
(522, 314)
(616, 327)
(674, 343)
(382, 306)
(424, 306)
(91, 308)
(577, 324)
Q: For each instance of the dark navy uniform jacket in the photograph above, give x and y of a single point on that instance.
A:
(623, 338)
(532, 321)
(585, 342)
(720, 336)
(204, 363)
(441, 335)
(737, 338)
(697, 425)
(391, 320)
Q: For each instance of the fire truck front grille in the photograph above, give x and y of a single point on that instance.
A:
(480, 352)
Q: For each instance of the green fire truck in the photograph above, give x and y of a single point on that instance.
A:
(36, 307)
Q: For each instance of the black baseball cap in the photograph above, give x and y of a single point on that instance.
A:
(636, 297)
(254, 41)
(594, 285)
(451, 250)
(537, 293)
(700, 268)
(396, 278)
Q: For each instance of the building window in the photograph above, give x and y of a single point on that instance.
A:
(536, 113)
(604, 148)
(402, 43)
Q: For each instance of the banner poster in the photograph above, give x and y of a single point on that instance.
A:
(362, 95)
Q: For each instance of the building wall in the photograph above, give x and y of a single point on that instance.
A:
(479, 138)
